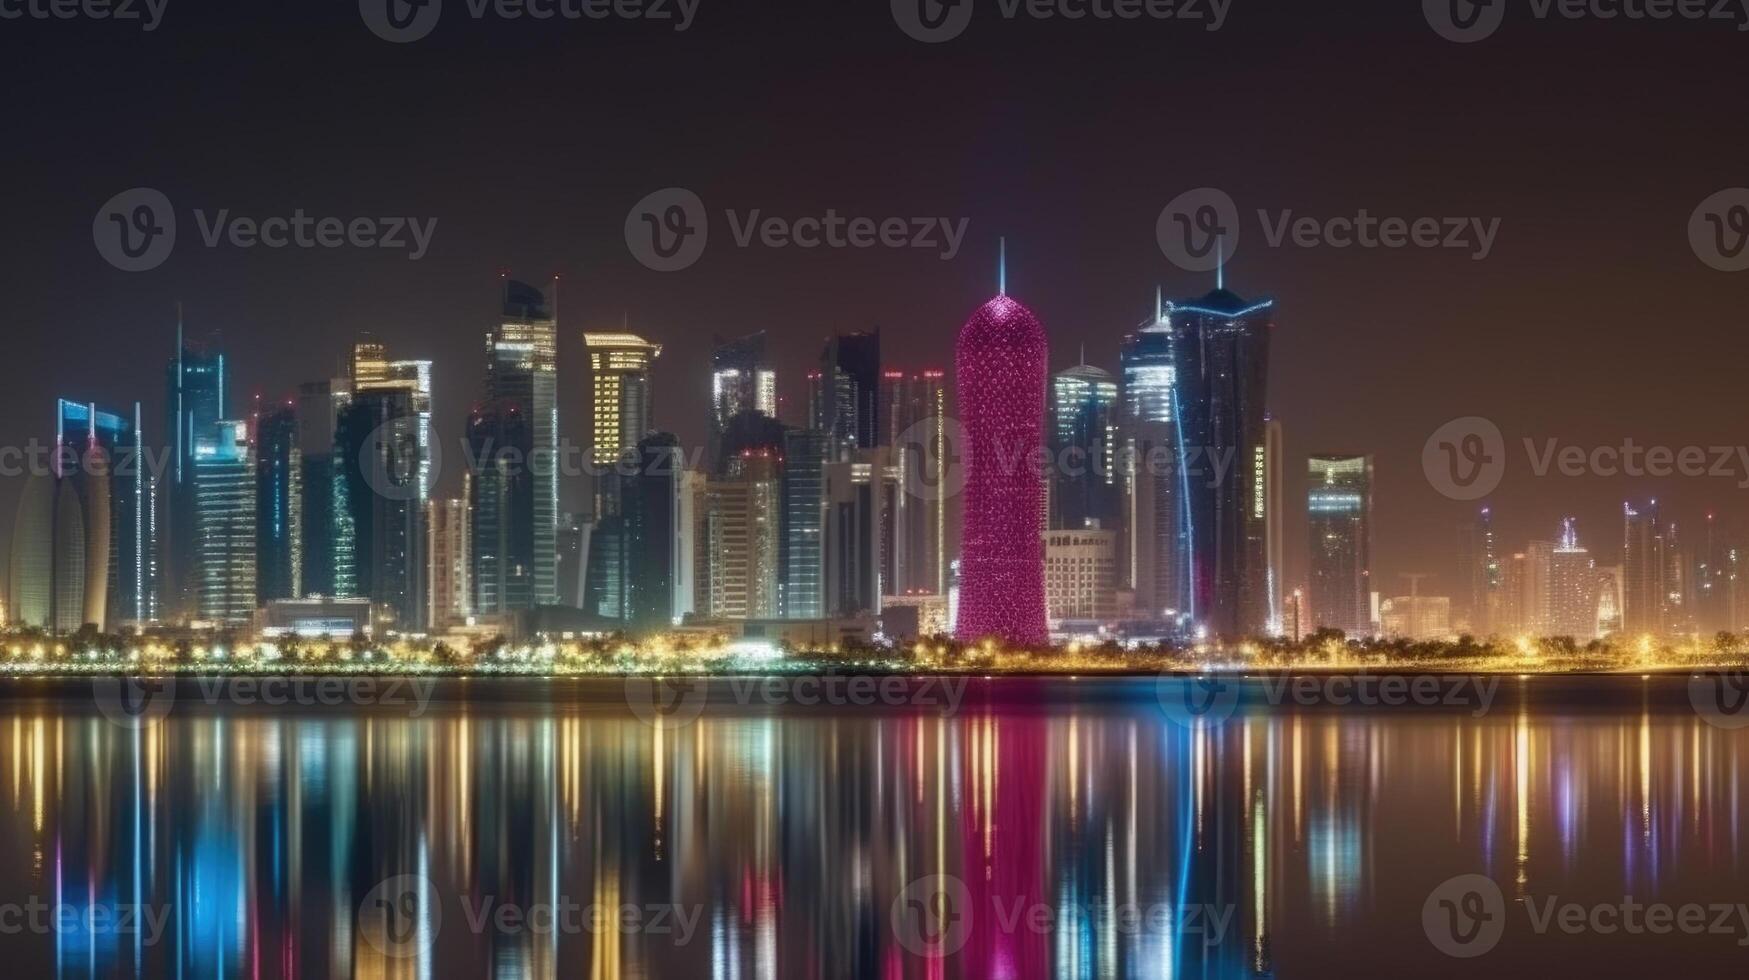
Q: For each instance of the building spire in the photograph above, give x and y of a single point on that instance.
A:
(1159, 304)
(1002, 266)
(1221, 262)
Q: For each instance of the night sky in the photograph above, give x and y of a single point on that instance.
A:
(529, 141)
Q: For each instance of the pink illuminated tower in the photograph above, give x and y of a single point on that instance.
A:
(1002, 374)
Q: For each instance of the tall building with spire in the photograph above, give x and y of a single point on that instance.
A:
(1480, 570)
(1220, 347)
(1155, 549)
(1002, 372)
(1573, 586)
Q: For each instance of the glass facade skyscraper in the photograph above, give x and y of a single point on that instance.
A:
(1154, 555)
(1339, 514)
(197, 396)
(132, 562)
(844, 397)
(279, 504)
(1085, 488)
(1221, 384)
(522, 378)
(802, 561)
(224, 490)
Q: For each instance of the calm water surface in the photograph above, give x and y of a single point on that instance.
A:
(1045, 829)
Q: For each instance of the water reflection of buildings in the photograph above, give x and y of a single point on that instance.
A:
(1085, 836)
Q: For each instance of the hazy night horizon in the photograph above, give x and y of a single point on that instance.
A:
(986, 488)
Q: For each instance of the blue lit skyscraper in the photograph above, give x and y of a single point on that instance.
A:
(522, 378)
(223, 483)
(196, 398)
(131, 575)
(279, 504)
(1221, 383)
(1155, 552)
(802, 565)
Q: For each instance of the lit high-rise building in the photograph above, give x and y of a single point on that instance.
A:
(1155, 550)
(1339, 515)
(197, 396)
(1084, 450)
(1715, 579)
(743, 539)
(224, 482)
(328, 566)
(742, 380)
(1221, 382)
(1572, 590)
(914, 407)
(503, 512)
(621, 397)
(30, 599)
(449, 592)
(1275, 531)
(522, 378)
(377, 452)
(844, 396)
(279, 504)
(1080, 576)
(655, 520)
(373, 371)
(1001, 368)
(131, 590)
(1645, 571)
(802, 564)
(857, 512)
(1479, 568)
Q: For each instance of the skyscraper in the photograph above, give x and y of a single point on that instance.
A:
(1001, 369)
(1221, 364)
(377, 452)
(449, 590)
(1645, 571)
(802, 562)
(224, 489)
(1715, 571)
(621, 402)
(1155, 550)
(742, 380)
(373, 371)
(651, 507)
(742, 531)
(328, 566)
(1084, 450)
(279, 504)
(914, 407)
(1339, 513)
(1479, 567)
(844, 396)
(1275, 531)
(131, 574)
(503, 511)
(522, 377)
(1573, 585)
(196, 398)
(856, 514)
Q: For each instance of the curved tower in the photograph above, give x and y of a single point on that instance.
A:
(1002, 374)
